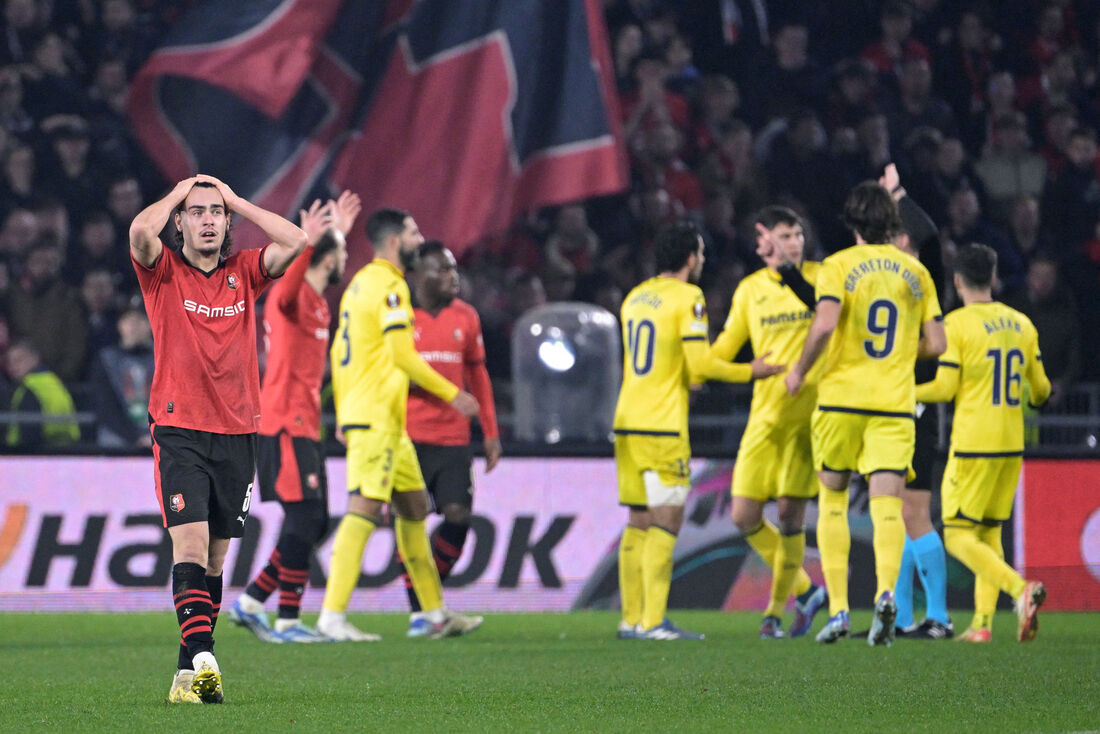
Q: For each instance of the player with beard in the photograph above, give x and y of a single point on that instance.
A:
(664, 321)
(448, 337)
(373, 359)
(291, 457)
(204, 402)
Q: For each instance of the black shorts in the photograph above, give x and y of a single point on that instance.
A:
(448, 474)
(925, 452)
(291, 469)
(204, 477)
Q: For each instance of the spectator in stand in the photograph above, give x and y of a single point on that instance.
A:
(963, 72)
(800, 169)
(788, 80)
(1053, 309)
(17, 233)
(52, 86)
(850, 96)
(1058, 122)
(119, 383)
(17, 189)
(124, 200)
(1051, 34)
(683, 76)
(1024, 228)
(732, 165)
(627, 46)
(23, 22)
(53, 222)
(70, 173)
(572, 245)
(101, 300)
(719, 98)
(660, 164)
(38, 391)
(896, 44)
(966, 225)
(650, 102)
(13, 115)
(719, 230)
(1009, 169)
(47, 312)
(1000, 100)
(1058, 83)
(1071, 202)
(916, 104)
(96, 247)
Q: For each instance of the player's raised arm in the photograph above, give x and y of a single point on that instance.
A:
(287, 240)
(145, 230)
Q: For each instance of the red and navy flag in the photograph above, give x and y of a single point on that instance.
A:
(464, 113)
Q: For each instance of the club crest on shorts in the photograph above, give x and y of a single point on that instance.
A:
(393, 300)
(313, 481)
(232, 281)
(176, 503)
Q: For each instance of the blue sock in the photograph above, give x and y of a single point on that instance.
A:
(932, 567)
(903, 590)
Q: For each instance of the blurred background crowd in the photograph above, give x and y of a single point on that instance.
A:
(990, 110)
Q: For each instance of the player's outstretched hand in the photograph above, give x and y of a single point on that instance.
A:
(493, 451)
(344, 211)
(794, 382)
(465, 403)
(761, 368)
(315, 220)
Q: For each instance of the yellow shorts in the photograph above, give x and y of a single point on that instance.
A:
(669, 456)
(979, 488)
(862, 442)
(774, 461)
(381, 463)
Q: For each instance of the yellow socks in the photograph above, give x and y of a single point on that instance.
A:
(656, 574)
(631, 549)
(834, 540)
(767, 541)
(347, 560)
(416, 551)
(888, 541)
(787, 572)
(986, 593)
(966, 544)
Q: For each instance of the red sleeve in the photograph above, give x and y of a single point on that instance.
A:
(286, 295)
(476, 377)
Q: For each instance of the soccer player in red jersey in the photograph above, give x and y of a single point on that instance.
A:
(448, 337)
(204, 403)
(291, 459)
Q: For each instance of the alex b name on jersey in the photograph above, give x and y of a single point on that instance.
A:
(887, 265)
(213, 311)
(1002, 324)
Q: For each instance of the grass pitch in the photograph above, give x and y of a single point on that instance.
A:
(551, 672)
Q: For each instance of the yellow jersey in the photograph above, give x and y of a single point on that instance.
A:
(666, 349)
(371, 362)
(773, 319)
(885, 295)
(991, 350)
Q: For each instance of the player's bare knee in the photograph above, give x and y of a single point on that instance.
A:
(791, 515)
(745, 516)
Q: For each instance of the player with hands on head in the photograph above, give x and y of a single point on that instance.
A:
(291, 456)
(204, 402)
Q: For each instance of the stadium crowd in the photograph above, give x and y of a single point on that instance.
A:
(990, 111)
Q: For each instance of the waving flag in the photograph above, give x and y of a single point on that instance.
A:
(464, 113)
